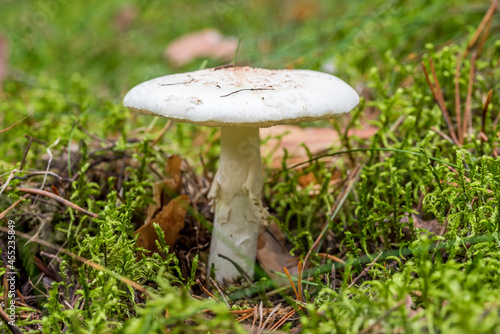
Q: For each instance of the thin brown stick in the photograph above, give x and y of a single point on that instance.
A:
(365, 271)
(9, 178)
(220, 291)
(291, 282)
(331, 257)
(458, 107)
(206, 291)
(438, 95)
(5, 317)
(268, 319)
(484, 37)
(55, 197)
(338, 203)
(429, 83)
(23, 160)
(81, 259)
(442, 134)
(261, 317)
(245, 317)
(23, 303)
(467, 125)
(164, 130)
(280, 322)
(254, 319)
(486, 104)
(4, 213)
(487, 17)
(247, 310)
(299, 281)
(13, 125)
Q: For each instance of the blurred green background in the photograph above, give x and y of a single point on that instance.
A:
(115, 44)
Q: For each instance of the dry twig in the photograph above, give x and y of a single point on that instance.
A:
(438, 96)
(55, 197)
(365, 271)
(467, 122)
(13, 125)
(484, 22)
(331, 257)
(4, 213)
(5, 317)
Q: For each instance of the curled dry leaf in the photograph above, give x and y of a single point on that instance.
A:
(163, 191)
(171, 220)
(204, 43)
(272, 253)
(168, 212)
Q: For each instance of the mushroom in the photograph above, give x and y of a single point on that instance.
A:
(240, 100)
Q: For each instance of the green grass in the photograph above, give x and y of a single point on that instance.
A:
(68, 70)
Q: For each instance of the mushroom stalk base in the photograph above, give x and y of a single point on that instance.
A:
(236, 195)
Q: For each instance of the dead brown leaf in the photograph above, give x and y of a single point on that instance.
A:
(204, 43)
(272, 253)
(164, 190)
(171, 220)
(307, 179)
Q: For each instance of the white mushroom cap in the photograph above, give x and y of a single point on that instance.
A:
(243, 96)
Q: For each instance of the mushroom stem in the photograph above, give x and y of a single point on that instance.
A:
(236, 195)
